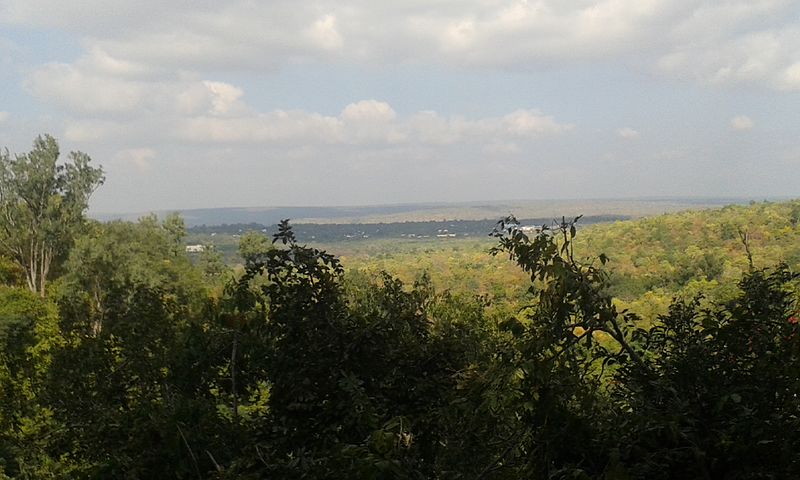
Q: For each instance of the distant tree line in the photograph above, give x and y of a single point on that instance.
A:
(329, 232)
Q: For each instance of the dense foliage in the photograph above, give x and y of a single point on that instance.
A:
(652, 260)
(295, 370)
(138, 363)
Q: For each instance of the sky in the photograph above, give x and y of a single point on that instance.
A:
(196, 104)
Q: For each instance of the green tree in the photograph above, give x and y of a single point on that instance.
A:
(794, 215)
(175, 227)
(253, 246)
(28, 337)
(363, 383)
(212, 263)
(113, 255)
(42, 205)
(721, 397)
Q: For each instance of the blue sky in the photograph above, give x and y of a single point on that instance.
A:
(241, 103)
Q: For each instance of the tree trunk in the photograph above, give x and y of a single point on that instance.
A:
(233, 374)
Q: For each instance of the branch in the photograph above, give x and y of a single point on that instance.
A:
(191, 453)
(744, 236)
(620, 338)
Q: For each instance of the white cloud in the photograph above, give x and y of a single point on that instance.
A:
(138, 158)
(276, 127)
(767, 57)
(323, 33)
(4, 116)
(102, 86)
(369, 111)
(628, 133)
(224, 98)
(129, 110)
(741, 123)
(79, 91)
(368, 122)
(711, 41)
(135, 105)
(98, 60)
(789, 78)
(525, 123)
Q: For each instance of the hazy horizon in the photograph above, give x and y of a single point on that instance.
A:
(500, 201)
(625, 208)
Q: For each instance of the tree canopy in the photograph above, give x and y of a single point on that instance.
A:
(42, 204)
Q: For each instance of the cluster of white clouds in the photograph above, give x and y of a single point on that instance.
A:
(149, 58)
(111, 99)
(364, 123)
(713, 41)
(372, 122)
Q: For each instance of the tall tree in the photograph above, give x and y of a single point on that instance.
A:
(42, 203)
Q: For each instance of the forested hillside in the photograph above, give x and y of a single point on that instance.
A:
(123, 357)
(651, 260)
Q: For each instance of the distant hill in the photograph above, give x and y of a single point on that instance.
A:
(337, 232)
(426, 212)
